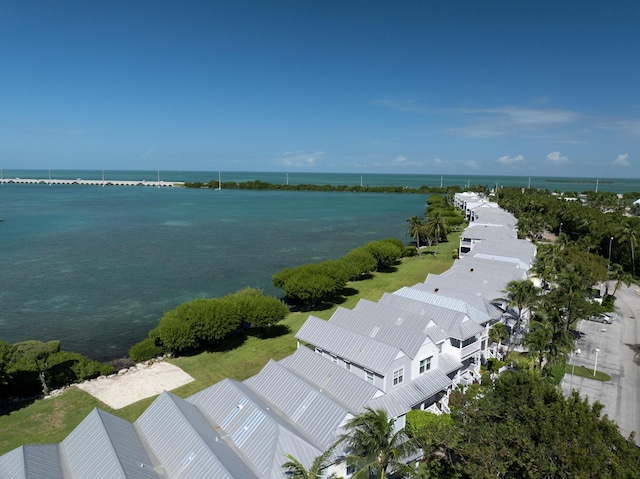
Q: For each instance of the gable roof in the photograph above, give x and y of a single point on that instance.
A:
(351, 391)
(35, 461)
(454, 323)
(406, 319)
(476, 300)
(260, 433)
(357, 348)
(186, 444)
(104, 445)
(313, 412)
(377, 328)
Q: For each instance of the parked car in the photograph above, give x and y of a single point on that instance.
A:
(606, 318)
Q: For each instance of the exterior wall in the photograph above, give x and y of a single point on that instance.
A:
(356, 369)
(403, 362)
(427, 350)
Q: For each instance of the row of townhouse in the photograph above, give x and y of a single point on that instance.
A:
(408, 350)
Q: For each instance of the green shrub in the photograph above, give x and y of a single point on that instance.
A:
(556, 373)
(145, 350)
(426, 424)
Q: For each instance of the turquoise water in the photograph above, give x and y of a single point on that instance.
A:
(96, 267)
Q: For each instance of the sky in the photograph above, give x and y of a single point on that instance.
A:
(544, 88)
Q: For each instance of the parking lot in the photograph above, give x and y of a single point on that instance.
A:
(618, 355)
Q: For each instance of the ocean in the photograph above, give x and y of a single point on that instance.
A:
(97, 267)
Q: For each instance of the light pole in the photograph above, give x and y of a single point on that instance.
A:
(595, 366)
(573, 367)
(606, 290)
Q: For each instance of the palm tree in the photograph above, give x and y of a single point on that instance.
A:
(296, 470)
(437, 228)
(620, 276)
(497, 334)
(375, 447)
(548, 340)
(415, 229)
(522, 294)
(626, 232)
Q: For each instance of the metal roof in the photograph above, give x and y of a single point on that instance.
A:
(257, 430)
(104, 445)
(480, 269)
(36, 461)
(523, 250)
(454, 323)
(447, 302)
(416, 391)
(377, 328)
(479, 231)
(406, 319)
(330, 378)
(305, 405)
(476, 300)
(357, 348)
(489, 288)
(186, 444)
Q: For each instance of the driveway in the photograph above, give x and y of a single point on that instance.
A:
(619, 357)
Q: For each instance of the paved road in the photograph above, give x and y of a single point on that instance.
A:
(619, 356)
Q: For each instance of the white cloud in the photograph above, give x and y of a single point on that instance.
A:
(470, 163)
(555, 158)
(398, 160)
(403, 161)
(437, 162)
(300, 158)
(511, 160)
(622, 160)
(630, 127)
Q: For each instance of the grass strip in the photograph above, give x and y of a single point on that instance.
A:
(51, 420)
(587, 373)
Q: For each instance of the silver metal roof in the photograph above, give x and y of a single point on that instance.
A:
(401, 317)
(478, 231)
(480, 269)
(305, 405)
(489, 288)
(257, 430)
(36, 461)
(479, 302)
(354, 347)
(523, 250)
(416, 391)
(104, 445)
(330, 378)
(186, 444)
(447, 302)
(377, 328)
(454, 323)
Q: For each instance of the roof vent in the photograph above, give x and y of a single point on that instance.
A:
(436, 290)
(471, 270)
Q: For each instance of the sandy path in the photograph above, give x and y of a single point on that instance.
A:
(143, 382)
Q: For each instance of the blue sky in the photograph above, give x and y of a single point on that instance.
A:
(430, 87)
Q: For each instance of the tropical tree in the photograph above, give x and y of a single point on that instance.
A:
(296, 470)
(375, 447)
(437, 229)
(547, 341)
(416, 228)
(626, 233)
(620, 276)
(497, 334)
(523, 295)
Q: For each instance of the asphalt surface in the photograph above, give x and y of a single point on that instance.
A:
(618, 356)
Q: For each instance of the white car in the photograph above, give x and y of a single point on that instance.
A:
(606, 318)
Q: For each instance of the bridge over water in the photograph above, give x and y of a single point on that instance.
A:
(80, 181)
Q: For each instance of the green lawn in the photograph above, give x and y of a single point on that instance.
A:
(587, 373)
(51, 420)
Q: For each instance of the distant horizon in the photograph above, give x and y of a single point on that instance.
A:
(301, 172)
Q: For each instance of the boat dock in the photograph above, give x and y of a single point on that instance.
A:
(80, 181)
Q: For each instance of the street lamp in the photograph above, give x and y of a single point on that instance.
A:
(573, 367)
(606, 290)
(595, 366)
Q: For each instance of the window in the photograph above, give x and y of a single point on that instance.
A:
(398, 376)
(347, 365)
(425, 365)
(369, 375)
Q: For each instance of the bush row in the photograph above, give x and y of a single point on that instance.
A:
(314, 284)
(207, 321)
